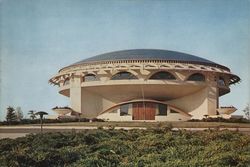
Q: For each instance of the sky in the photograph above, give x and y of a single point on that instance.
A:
(37, 38)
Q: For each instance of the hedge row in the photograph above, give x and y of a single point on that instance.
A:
(127, 148)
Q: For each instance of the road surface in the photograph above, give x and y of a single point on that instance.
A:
(20, 131)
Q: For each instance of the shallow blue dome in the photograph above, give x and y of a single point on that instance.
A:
(149, 54)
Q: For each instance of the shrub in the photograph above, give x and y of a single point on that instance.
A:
(37, 121)
(97, 120)
(231, 120)
(128, 148)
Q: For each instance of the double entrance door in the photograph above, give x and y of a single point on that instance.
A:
(144, 111)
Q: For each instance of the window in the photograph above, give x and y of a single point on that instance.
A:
(221, 81)
(149, 66)
(123, 76)
(124, 109)
(177, 66)
(66, 82)
(113, 111)
(162, 109)
(164, 66)
(173, 111)
(196, 77)
(90, 77)
(162, 76)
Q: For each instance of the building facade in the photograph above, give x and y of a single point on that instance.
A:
(146, 85)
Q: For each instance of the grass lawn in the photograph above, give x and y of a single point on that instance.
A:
(155, 124)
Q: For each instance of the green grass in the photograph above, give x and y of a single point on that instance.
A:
(146, 124)
(155, 124)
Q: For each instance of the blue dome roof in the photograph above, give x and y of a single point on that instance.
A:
(148, 54)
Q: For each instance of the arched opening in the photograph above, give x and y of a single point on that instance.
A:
(178, 66)
(196, 77)
(164, 66)
(143, 110)
(221, 82)
(163, 75)
(90, 77)
(66, 81)
(123, 76)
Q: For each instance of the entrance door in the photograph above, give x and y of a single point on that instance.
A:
(144, 111)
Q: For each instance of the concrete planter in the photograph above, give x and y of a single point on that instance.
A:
(226, 110)
(62, 111)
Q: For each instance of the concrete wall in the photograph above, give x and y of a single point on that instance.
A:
(111, 116)
(91, 98)
(115, 116)
(203, 102)
(91, 104)
(172, 117)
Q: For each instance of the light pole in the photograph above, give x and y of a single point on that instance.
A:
(41, 113)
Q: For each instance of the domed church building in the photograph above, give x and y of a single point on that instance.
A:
(146, 85)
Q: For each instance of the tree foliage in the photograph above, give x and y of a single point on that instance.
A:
(10, 115)
(32, 114)
(154, 147)
(19, 114)
(247, 112)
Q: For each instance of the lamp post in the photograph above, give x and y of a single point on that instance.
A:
(41, 114)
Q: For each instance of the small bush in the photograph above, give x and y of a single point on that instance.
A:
(111, 127)
(231, 120)
(37, 121)
(97, 120)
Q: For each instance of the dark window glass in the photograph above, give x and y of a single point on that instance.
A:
(163, 76)
(162, 109)
(90, 77)
(196, 77)
(173, 111)
(124, 109)
(178, 66)
(221, 82)
(66, 82)
(123, 76)
(113, 111)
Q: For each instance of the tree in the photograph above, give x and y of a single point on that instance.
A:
(32, 114)
(247, 112)
(19, 114)
(41, 114)
(10, 116)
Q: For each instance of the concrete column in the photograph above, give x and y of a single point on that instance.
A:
(212, 95)
(212, 98)
(76, 93)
